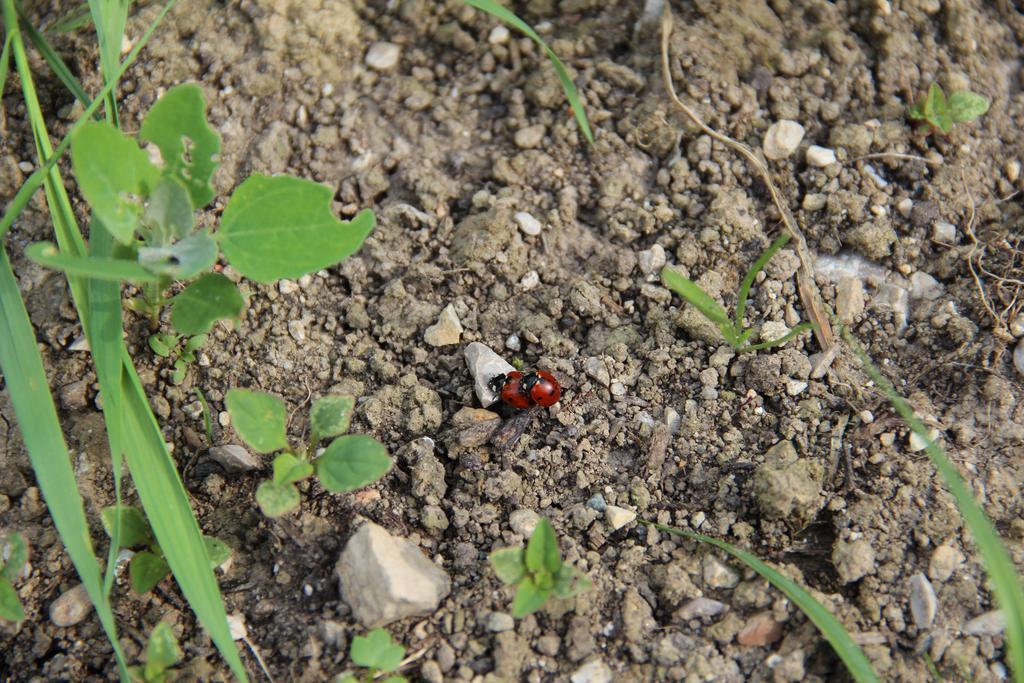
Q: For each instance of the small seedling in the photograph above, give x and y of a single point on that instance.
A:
(271, 228)
(378, 654)
(162, 653)
(166, 344)
(942, 113)
(148, 567)
(537, 571)
(350, 461)
(732, 330)
(13, 556)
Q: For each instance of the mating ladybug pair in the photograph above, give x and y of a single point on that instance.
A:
(525, 390)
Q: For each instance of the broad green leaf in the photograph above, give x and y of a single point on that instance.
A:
(352, 462)
(377, 651)
(182, 260)
(195, 343)
(14, 555)
(218, 550)
(211, 298)
(695, 296)
(135, 531)
(162, 651)
(146, 570)
(169, 215)
(542, 554)
(331, 415)
(96, 268)
(396, 679)
(283, 227)
(10, 604)
(277, 499)
(569, 581)
(288, 469)
(509, 564)
(259, 418)
(529, 598)
(189, 147)
(162, 344)
(965, 105)
(180, 370)
(113, 175)
(934, 102)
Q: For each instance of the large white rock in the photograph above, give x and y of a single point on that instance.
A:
(483, 364)
(385, 578)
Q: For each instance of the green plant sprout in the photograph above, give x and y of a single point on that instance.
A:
(942, 113)
(149, 567)
(350, 461)
(537, 571)
(272, 227)
(13, 556)
(162, 653)
(732, 330)
(166, 344)
(377, 653)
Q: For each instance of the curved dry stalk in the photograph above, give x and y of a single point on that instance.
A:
(809, 295)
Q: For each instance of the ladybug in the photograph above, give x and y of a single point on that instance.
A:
(524, 390)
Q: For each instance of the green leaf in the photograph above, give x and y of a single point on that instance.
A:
(162, 343)
(748, 281)
(189, 147)
(113, 175)
(259, 418)
(218, 550)
(696, 296)
(277, 499)
(146, 570)
(936, 109)
(352, 462)
(162, 651)
(211, 298)
(169, 215)
(288, 469)
(10, 604)
(396, 679)
(180, 370)
(965, 105)
(182, 260)
(97, 268)
(529, 598)
(193, 344)
(135, 530)
(283, 227)
(377, 651)
(14, 554)
(509, 564)
(331, 415)
(542, 554)
(569, 581)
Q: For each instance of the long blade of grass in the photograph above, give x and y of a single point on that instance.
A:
(74, 19)
(748, 281)
(34, 181)
(97, 268)
(853, 657)
(1006, 582)
(5, 61)
(54, 60)
(109, 17)
(778, 341)
(571, 94)
(695, 296)
(37, 418)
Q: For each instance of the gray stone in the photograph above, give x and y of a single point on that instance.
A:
(594, 671)
(385, 578)
(483, 365)
(923, 603)
(944, 561)
(446, 331)
(699, 608)
(497, 622)
(820, 156)
(233, 458)
(944, 232)
(71, 607)
(527, 223)
(75, 396)
(530, 137)
(718, 574)
(383, 56)
(651, 260)
(782, 139)
(853, 560)
(988, 624)
(597, 502)
(924, 286)
(597, 370)
(523, 522)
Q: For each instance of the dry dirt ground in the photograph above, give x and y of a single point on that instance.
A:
(470, 127)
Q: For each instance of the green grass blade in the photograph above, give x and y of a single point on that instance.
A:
(853, 657)
(5, 61)
(73, 20)
(695, 296)
(37, 418)
(571, 94)
(109, 17)
(748, 281)
(54, 60)
(38, 177)
(1006, 582)
(109, 269)
(776, 342)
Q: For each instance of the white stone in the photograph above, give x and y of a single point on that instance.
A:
(820, 156)
(233, 458)
(944, 561)
(383, 56)
(484, 364)
(924, 286)
(26, 166)
(618, 517)
(447, 330)
(782, 139)
(499, 35)
(772, 330)
(297, 330)
(814, 201)
(530, 137)
(527, 223)
(718, 574)
(529, 281)
(236, 625)
(287, 287)
(513, 342)
(849, 299)
(795, 386)
(905, 206)
(916, 442)
(1017, 325)
(923, 603)
(988, 624)
(698, 608)
(385, 578)
(594, 671)
(651, 260)
(1018, 357)
(944, 232)
(71, 607)
(498, 622)
(523, 521)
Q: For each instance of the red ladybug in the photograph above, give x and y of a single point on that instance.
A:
(524, 390)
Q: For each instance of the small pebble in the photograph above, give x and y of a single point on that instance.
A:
(596, 502)
(499, 622)
(782, 139)
(1012, 170)
(383, 56)
(618, 389)
(26, 166)
(814, 202)
(699, 608)
(849, 299)
(529, 281)
(597, 370)
(795, 386)
(905, 206)
(447, 330)
(523, 522)
(1017, 325)
(820, 156)
(297, 330)
(1018, 357)
(718, 574)
(233, 458)
(527, 223)
(943, 232)
(71, 607)
(988, 624)
(287, 286)
(760, 630)
(651, 260)
(595, 671)
(530, 137)
(923, 603)
(327, 90)
(513, 342)
(916, 442)
(618, 517)
(924, 286)
(944, 561)
(499, 35)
